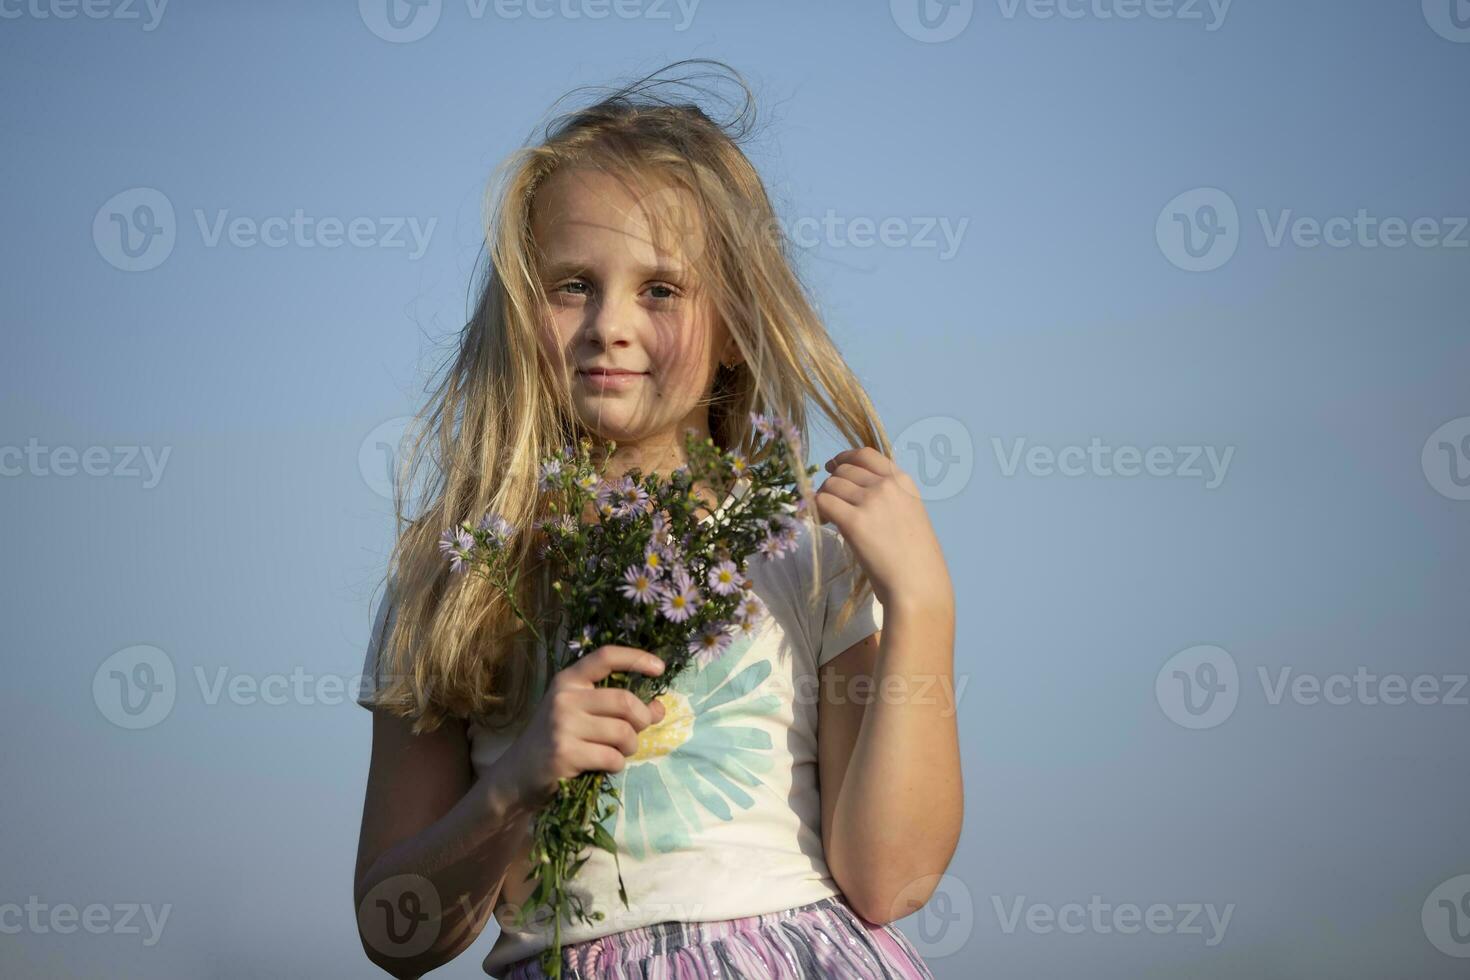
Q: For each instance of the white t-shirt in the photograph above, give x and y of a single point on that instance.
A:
(720, 815)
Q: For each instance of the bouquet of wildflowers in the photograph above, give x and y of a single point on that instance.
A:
(646, 573)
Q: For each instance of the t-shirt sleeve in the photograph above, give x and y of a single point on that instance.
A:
(865, 620)
(383, 619)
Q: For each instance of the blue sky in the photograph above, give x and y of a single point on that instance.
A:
(1220, 247)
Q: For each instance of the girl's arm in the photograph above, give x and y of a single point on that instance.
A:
(889, 762)
(432, 833)
(888, 740)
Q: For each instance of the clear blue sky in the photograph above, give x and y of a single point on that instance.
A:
(191, 419)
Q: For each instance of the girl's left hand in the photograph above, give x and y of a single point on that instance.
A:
(878, 509)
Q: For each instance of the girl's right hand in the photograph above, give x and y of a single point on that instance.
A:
(578, 727)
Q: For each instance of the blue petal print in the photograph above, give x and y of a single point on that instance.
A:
(692, 765)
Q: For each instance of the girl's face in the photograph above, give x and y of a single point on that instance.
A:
(617, 305)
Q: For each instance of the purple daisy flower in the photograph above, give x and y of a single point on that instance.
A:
(725, 578)
(771, 547)
(581, 643)
(550, 470)
(711, 641)
(630, 498)
(658, 558)
(750, 610)
(640, 585)
(605, 495)
(455, 543)
(498, 527)
(679, 597)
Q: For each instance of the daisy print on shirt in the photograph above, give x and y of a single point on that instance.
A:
(691, 766)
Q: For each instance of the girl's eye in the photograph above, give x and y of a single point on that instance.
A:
(659, 292)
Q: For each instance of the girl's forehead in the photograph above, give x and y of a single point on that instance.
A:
(582, 214)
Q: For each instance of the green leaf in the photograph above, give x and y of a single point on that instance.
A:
(603, 839)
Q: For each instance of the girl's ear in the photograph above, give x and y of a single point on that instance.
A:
(730, 356)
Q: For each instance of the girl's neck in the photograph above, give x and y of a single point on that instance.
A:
(661, 456)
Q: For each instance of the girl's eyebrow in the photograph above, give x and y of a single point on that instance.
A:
(575, 267)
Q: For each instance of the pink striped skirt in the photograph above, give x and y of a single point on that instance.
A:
(811, 942)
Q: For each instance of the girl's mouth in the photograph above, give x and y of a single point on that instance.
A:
(610, 380)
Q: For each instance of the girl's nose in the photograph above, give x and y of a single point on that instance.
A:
(607, 323)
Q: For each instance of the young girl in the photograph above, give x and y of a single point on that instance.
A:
(784, 802)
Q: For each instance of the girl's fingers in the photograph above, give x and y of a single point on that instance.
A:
(867, 457)
(842, 489)
(605, 660)
(860, 475)
(611, 702)
(602, 730)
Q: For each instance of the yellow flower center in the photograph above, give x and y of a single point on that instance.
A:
(666, 736)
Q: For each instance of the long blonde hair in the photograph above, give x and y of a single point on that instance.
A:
(453, 646)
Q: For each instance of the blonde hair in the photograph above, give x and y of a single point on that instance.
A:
(453, 646)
